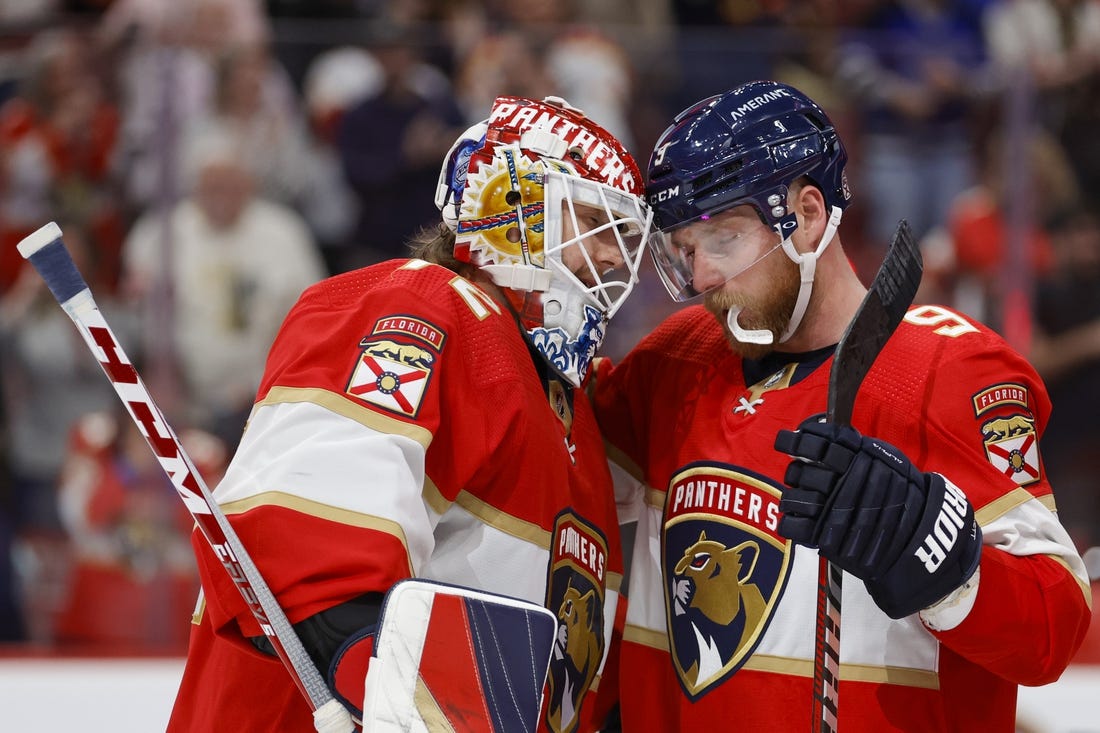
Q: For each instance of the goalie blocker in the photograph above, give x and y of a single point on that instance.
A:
(450, 658)
(440, 657)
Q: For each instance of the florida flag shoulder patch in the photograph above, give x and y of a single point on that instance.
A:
(391, 374)
(1009, 436)
(1012, 446)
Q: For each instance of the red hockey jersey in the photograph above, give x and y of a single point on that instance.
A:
(402, 429)
(720, 625)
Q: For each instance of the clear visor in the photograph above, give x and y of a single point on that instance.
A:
(610, 231)
(704, 253)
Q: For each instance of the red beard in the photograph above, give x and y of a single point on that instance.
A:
(772, 312)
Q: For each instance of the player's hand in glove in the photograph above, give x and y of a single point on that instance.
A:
(910, 536)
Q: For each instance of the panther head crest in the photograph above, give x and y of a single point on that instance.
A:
(713, 581)
(579, 648)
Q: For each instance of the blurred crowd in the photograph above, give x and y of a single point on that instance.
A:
(208, 159)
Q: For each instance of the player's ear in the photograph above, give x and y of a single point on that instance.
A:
(809, 206)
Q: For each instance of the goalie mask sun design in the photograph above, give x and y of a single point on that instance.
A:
(549, 205)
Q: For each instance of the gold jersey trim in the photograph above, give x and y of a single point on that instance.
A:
(655, 497)
(1018, 497)
(624, 461)
(781, 379)
(434, 497)
(646, 637)
(336, 403)
(497, 519)
(322, 511)
(200, 608)
(346, 408)
(1086, 588)
(502, 521)
(905, 676)
(1004, 504)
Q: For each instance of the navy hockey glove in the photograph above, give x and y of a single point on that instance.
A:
(910, 536)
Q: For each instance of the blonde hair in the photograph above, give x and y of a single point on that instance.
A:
(436, 244)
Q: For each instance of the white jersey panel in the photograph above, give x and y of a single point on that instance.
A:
(470, 552)
(353, 468)
(646, 608)
(1032, 529)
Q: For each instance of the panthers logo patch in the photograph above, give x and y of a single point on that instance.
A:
(576, 593)
(725, 566)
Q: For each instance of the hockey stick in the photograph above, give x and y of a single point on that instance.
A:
(879, 314)
(46, 252)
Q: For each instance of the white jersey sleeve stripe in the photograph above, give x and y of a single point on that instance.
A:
(347, 408)
(315, 509)
(1030, 528)
(355, 471)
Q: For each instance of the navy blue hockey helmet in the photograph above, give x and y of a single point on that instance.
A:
(745, 146)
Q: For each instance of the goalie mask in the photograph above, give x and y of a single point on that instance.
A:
(746, 146)
(550, 206)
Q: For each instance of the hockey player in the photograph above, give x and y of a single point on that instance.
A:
(961, 582)
(421, 417)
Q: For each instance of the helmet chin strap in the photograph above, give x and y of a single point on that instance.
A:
(807, 268)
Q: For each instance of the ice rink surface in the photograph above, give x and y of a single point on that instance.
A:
(87, 695)
(135, 696)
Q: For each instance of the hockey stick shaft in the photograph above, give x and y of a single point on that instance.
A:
(46, 252)
(891, 292)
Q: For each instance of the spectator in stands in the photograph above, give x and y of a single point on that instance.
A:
(390, 145)
(255, 105)
(1052, 49)
(236, 264)
(586, 64)
(539, 48)
(976, 237)
(167, 53)
(335, 80)
(133, 577)
(1067, 354)
(914, 71)
(499, 62)
(12, 627)
(57, 139)
(47, 380)
(219, 21)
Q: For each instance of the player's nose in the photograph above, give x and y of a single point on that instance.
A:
(704, 275)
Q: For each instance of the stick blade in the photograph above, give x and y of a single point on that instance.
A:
(891, 292)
